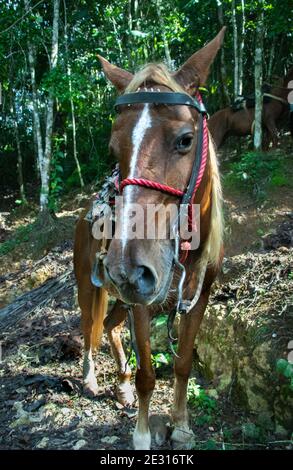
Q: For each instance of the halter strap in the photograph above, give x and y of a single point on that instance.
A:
(158, 97)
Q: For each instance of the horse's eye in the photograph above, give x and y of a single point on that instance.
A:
(184, 143)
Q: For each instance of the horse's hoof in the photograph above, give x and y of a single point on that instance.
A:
(142, 441)
(91, 390)
(124, 394)
(182, 438)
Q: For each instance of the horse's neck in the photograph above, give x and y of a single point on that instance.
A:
(219, 127)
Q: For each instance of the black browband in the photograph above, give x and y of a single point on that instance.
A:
(158, 97)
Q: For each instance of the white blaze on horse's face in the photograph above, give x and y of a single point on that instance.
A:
(144, 122)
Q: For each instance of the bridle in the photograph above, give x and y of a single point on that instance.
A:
(186, 196)
(199, 163)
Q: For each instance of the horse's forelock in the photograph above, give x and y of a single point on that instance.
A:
(155, 73)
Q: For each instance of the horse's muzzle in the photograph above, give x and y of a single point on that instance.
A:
(136, 283)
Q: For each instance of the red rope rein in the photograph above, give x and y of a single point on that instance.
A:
(151, 185)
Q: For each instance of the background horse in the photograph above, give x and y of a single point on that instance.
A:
(156, 143)
(227, 122)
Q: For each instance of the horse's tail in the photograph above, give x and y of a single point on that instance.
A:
(99, 309)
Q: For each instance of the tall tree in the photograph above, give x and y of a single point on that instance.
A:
(241, 49)
(19, 153)
(72, 107)
(37, 120)
(235, 48)
(258, 72)
(44, 153)
(223, 68)
(169, 61)
(45, 164)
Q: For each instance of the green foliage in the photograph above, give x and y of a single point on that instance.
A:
(128, 34)
(161, 320)
(161, 359)
(158, 360)
(256, 171)
(285, 369)
(56, 181)
(132, 360)
(251, 431)
(206, 406)
(21, 235)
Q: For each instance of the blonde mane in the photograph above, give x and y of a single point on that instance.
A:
(215, 239)
(159, 74)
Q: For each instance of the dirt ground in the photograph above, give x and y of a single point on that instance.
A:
(42, 405)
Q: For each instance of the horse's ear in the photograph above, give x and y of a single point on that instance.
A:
(119, 77)
(196, 69)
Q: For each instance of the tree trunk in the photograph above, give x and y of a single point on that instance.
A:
(19, 157)
(271, 59)
(258, 79)
(45, 166)
(235, 47)
(223, 70)
(37, 121)
(169, 61)
(44, 156)
(36, 153)
(119, 42)
(130, 15)
(19, 165)
(241, 49)
(75, 156)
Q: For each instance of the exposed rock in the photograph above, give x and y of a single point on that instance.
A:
(246, 329)
(242, 338)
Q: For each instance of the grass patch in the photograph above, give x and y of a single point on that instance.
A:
(257, 172)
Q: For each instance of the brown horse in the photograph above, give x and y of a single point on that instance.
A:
(227, 122)
(155, 141)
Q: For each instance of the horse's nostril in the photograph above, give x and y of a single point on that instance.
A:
(145, 282)
(140, 280)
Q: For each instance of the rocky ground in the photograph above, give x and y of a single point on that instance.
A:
(42, 405)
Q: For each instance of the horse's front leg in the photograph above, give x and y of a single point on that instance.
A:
(114, 323)
(188, 328)
(144, 379)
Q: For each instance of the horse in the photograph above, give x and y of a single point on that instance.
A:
(166, 157)
(227, 122)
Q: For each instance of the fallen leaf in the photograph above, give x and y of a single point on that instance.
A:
(110, 439)
(42, 443)
(79, 444)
